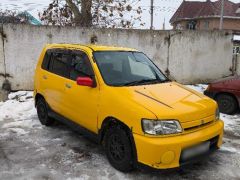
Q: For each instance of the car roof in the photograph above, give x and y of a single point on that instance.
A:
(93, 47)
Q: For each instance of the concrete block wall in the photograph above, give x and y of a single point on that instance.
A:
(188, 57)
(198, 57)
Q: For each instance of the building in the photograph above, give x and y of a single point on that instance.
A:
(195, 15)
(236, 44)
(23, 17)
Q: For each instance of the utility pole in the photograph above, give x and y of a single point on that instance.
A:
(221, 18)
(151, 12)
(163, 24)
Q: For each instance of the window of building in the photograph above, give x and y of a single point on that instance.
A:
(206, 24)
(191, 25)
(236, 49)
(179, 26)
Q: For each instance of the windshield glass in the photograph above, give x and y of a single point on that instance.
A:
(120, 68)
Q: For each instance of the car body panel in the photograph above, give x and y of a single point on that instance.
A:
(165, 153)
(229, 85)
(90, 107)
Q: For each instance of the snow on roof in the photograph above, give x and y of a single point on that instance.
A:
(236, 37)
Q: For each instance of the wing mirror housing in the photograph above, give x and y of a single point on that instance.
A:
(85, 81)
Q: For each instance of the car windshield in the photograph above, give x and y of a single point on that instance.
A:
(119, 68)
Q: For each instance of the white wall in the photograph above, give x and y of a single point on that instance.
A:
(191, 57)
(200, 56)
(2, 72)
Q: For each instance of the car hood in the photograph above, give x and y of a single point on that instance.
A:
(227, 79)
(173, 101)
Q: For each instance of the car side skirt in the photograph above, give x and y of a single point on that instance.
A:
(76, 127)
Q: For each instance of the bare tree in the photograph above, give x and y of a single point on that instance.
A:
(96, 13)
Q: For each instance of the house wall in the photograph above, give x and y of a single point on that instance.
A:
(229, 24)
(238, 65)
(188, 56)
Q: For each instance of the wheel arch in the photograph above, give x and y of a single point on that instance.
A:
(109, 122)
(37, 97)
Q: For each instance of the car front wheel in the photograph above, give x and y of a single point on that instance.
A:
(118, 149)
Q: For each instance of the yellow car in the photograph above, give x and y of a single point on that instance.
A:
(118, 97)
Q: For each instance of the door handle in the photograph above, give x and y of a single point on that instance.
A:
(68, 85)
(44, 77)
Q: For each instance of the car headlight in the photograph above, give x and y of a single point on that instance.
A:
(161, 127)
(217, 114)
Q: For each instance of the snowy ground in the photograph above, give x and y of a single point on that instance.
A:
(29, 150)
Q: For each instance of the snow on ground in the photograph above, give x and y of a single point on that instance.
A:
(18, 107)
(29, 150)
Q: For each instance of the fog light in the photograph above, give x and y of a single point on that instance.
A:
(168, 157)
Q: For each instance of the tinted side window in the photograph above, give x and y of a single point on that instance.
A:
(59, 63)
(80, 65)
(46, 59)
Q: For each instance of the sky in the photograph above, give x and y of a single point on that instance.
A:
(163, 9)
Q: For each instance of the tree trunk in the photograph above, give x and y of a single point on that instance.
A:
(83, 18)
(86, 13)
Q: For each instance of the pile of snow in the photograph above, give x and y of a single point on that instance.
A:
(18, 112)
(19, 106)
(199, 87)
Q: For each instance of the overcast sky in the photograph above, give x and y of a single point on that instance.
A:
(164, 9)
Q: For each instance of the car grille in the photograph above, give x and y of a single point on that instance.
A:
(198, 126)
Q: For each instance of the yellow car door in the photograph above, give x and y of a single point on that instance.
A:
(81, 102)
(52, 78)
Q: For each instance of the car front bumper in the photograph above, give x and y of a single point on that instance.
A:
(165, 152)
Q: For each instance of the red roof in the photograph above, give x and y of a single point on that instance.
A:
(196, 9)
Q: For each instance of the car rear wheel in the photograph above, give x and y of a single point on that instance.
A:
(42, 111)
(227, 104)
(118, 149)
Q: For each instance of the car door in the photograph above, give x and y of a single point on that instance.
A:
(81, 101)
(55, 72)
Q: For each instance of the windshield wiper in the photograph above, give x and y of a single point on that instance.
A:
(143, 81)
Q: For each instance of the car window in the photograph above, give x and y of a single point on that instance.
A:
(59, 63)
(119, 68)
(46, 59)
(80, 65)
(140, 68)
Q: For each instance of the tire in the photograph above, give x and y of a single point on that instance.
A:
(42, 111)
(118, 149)
(227, 104)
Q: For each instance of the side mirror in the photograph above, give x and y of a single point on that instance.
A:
(85, 81)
